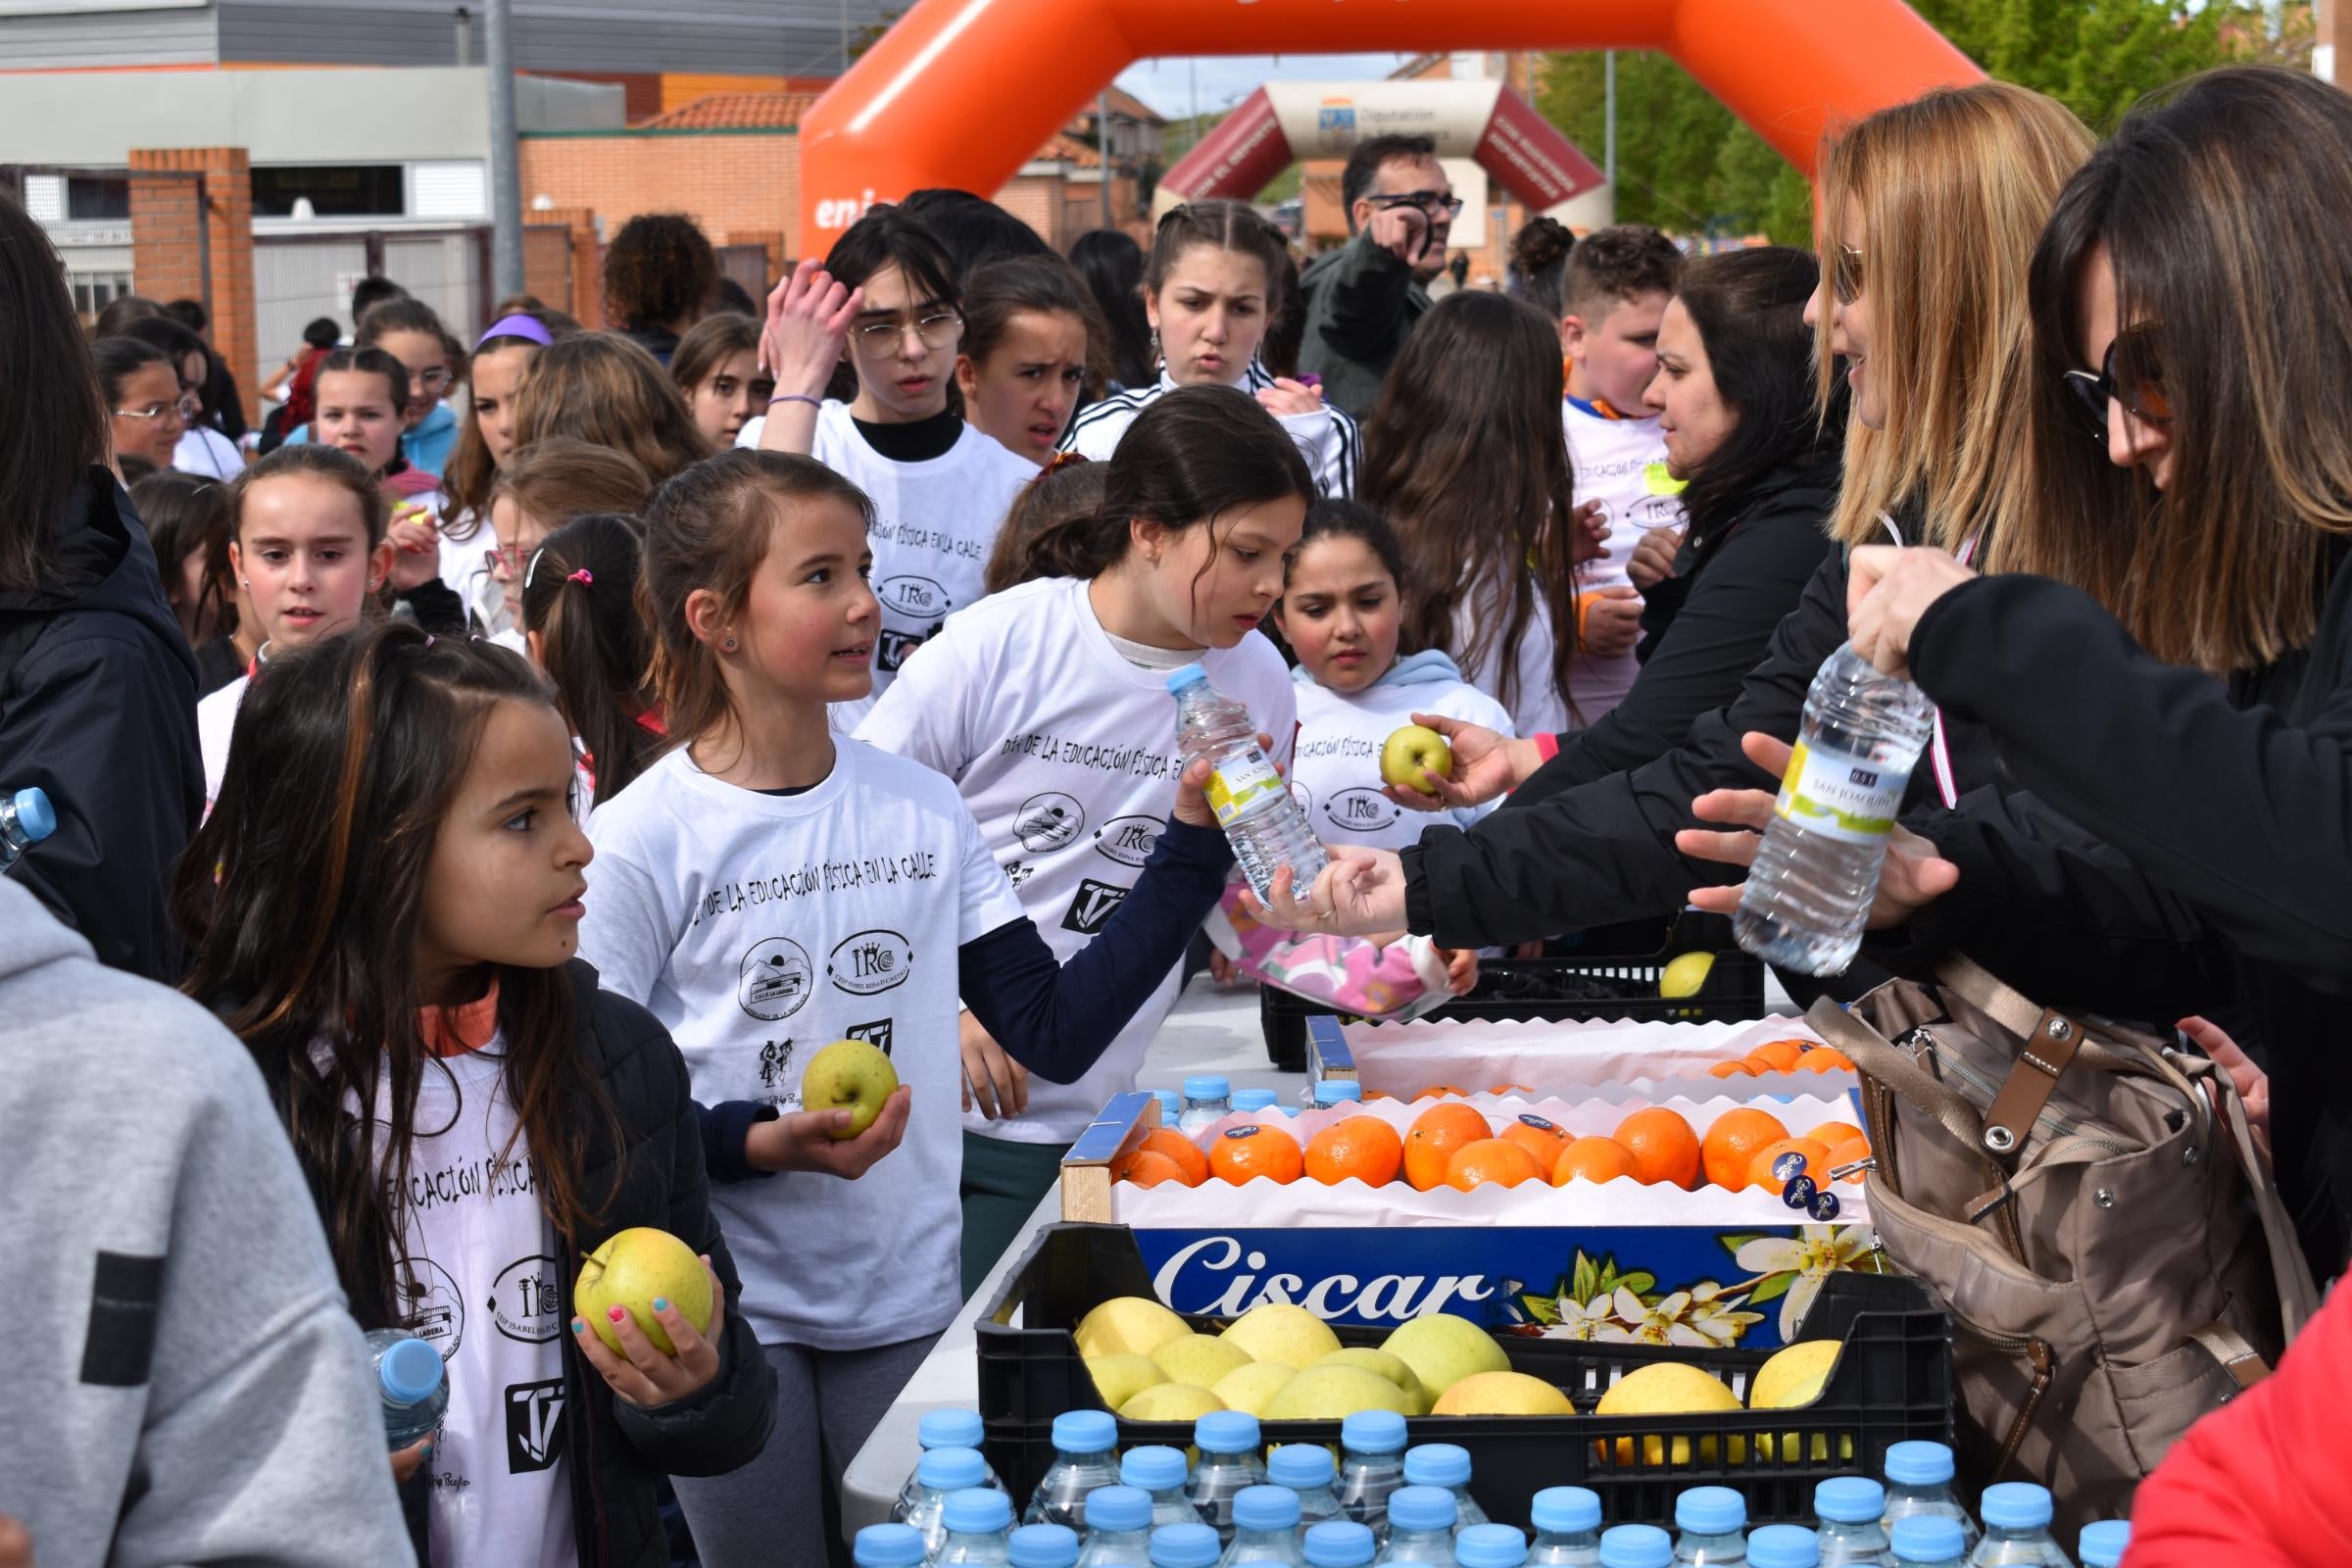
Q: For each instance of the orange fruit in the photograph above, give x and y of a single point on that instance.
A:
(1825, 1060)
(1544, 1140)
(1512, 1088)
(1150, 1169)
(1829, 1134)
(1850, 1153)
(1595, 1160)
(1817, 1162)
(1362, 1147)
(1730, 1069)
(1492, 1159)
(1245, 1154)
(1732, 1142)
(1169, 1144)
(1434, 1137)
(1776, 1055)
(1663, 1147)
(1442, 1092)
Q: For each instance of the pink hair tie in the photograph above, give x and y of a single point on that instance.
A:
(581, 575)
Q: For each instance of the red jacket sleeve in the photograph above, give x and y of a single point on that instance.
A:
(2260, 1482)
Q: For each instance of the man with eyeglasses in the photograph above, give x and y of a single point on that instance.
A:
(1362, 300)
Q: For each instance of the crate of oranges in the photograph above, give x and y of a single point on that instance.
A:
(1529, 1056)
(1674, 1220)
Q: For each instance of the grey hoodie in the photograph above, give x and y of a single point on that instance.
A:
(183, 1383)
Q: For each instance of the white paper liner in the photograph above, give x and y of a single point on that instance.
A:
(1481, 1055)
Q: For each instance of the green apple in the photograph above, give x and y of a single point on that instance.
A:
(1334, 1391)
(1171, 1401)
(1128, 1325)
(1276, 1331)
(852, 1076)
(1442, 1349)
(1199, 1359)
(1410, 751)
(1387, 1366)
(630, 1270)
(1121, 1377)
(1503, 1393)
(1251, 1385)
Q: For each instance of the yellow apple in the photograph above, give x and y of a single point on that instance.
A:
(1128, 1325)
(1410, 751)
(1442, 1349)
(1277, 1331)
(1120, 1378)
(852, 1076)
(1333, 1392)
(631, 1270)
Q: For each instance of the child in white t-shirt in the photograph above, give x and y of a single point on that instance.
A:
(769, 887)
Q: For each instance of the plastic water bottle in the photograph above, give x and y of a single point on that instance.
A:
(1228, 1442)
(1306, 1468)
(945, 1428)
(2103, 1544)
(1448, 1465)
(1567, 1521)
(979, 1529)
(1171, 1106)
(1636, 1547)
(888, 1546)
(1330, 1092)
(1043, 1546)
(1371, 1465)
(938, 1476)
(1817, 870)
(1159, 1473)
(412, 1383)
(1208, 1100)
(1082, 1461)
(1712, 1527)
(1928, 1541)
(26, 819)
(1261, 818)
(1490, 1547)
(1265, 1528)
(1119, 1528)
(1787, 1546)
(1420, 1526)
(1850, 1510)
(1339, 1543)
(2016, 1528)
(1185, 1546)
(1919, 1485)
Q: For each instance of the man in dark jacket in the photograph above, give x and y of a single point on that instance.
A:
(98, 709)
(1362, 300)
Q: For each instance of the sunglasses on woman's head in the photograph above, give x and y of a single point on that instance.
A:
(2140, 392)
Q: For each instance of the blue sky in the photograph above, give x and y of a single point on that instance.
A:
(1224, 79)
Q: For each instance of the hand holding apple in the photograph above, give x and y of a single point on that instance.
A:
(1410, 754)
(851, 1075)
(639, 1372)
(813, 1141)
(1485, 767)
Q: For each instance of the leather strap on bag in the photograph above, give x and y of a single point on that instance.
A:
(2043, 1054)
(2239, 1359)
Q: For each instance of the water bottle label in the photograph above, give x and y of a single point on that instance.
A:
(1842, 797)
(1237, 783)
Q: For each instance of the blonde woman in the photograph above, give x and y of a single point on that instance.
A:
(1930, 214)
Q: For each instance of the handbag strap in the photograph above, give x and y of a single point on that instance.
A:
(2290, 1270)
(2228, 1347)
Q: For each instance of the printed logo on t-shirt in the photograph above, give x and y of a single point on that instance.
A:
(875, 1034)
(534, 1425)
(1128, 840)
(775, 1060)
(1658, 512)
(892, 649)
(523, 1301)
(776, 977)
(431, 1307)
(1018, 873)
(1049, 821)
(916, 597)
(1359, 811)
(870, 961)
(1093, 906)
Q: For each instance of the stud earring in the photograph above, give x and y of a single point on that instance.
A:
(728, 645)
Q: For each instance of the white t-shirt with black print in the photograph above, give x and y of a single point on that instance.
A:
(1328, 438)
(1622, 464)
(761, 928)
(483, 1284)
(1340, 738)
(1065, 751)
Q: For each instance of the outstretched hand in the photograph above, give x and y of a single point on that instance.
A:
(1487, 765)
(803, 1140)
(808, 315)
(1360, 894)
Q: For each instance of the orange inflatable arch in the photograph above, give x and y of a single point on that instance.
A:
(963, 92)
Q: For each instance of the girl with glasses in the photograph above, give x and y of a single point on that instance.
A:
(202, 449)
(143, 399)
(519, 329)
(544, 488)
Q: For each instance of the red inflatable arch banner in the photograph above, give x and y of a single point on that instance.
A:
(963, 92)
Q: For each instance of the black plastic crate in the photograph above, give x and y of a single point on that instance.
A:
(1892, 1382)
(1566, 989)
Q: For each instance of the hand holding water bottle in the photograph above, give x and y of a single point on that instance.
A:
(1887, 592)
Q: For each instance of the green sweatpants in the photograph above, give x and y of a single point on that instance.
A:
(1003, 1184)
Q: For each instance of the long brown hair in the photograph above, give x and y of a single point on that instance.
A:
(301, 896)
(580, 597)
(559, 480)
(1464, 455)
(1066, 494)
(601, 388)
(709, 344)
(1952, 189)
(465, 481)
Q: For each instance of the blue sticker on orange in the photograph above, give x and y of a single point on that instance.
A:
(1798, 1193)
(1243, 1132)
(1824, 1206)
(1788, 1167)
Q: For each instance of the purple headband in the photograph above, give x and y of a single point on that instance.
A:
(518, 325)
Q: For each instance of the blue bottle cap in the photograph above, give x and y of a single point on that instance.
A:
(1302, 1466)
(1490, 1547)
(1436, 1465)
(1153, 1468)
(1782, 1547)
(1919, 1464)
(1561, 1509)
(1120, 1507)
(1636, 1547)
(1265, 1509)
(1225, 1432)
(1189, 676)
(888, 1546)
(1339, 1543)
(1044, 1547)
(2016, 1505)
(1338, 1092)
(1172, 1103)
(1849, 1499)
(1373, 1431)
(1928, 1538)
(409, 1371)
(36, 819)
(1253, 1099)
(1710, 1512)
(948, 1429)
(1208, 1086)
(977, 1511)
(950, 1469)
(1421, 1508)
(1085, 1432)
(1185, 1546)
(2103, 1543)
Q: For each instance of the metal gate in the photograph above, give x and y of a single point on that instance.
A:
(299, 278)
